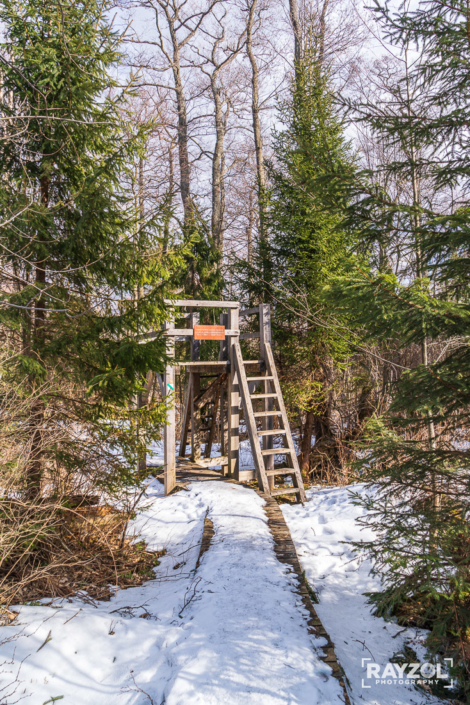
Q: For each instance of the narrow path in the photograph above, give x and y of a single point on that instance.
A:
(246, 635)
(225, 622)
(285, 553)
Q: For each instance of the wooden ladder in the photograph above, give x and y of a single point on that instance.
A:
(274, 395)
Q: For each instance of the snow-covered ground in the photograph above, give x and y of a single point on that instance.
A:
(340, 579)
(232, 632)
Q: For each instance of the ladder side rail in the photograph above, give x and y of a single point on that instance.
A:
(250, 421)
(297, 477)
(268, 421)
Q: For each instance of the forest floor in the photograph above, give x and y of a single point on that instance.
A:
(232, 630)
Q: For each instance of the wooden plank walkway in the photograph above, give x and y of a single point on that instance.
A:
(285, 552)
(284, 548)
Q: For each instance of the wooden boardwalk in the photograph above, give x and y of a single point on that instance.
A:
(284, 548)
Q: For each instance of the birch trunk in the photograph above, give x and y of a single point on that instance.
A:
(255, 110)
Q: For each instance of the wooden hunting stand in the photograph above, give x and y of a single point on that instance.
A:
(215, 412)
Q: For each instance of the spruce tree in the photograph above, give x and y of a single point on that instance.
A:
(306, 245)
(75, 248)
(416, 459)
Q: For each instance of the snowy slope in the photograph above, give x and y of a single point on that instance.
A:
(242, 639)
(340, 579)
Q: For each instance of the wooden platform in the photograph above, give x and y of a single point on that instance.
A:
(187, 471)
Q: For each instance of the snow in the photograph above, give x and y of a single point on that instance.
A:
(231, 631)
(340, 580)
(242, 638)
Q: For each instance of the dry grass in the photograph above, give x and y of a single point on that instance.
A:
(72, 551)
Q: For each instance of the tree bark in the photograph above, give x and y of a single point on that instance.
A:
(34, 465)
(255, 110)
(321, 51)
(249, 228)
(182, 130)
(295, 21)
(306, 442)
(218, 167)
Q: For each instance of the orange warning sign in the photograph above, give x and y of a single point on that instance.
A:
(209, 332)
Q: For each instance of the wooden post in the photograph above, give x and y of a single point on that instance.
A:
(223, 355)
(233, 400)
(170, 427)
(195, 389)
(143, 400)
(265, 337)
(213, 426)
(186, 416)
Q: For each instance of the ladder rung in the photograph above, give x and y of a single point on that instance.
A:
(261, 379)
(280, 471)
(276, 451)
(252, 362)
(259, 414)
(287, 490)
(272, 432)
(262, 396)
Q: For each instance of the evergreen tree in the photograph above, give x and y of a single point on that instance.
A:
(416, 458)
(75, 248)
(305, 247)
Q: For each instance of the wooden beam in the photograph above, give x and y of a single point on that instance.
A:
(170, 426)
(249, 336)
(145, 337)
(223, 357)
(215, 364)
(194, 319)
(205, 368)
(196, 385)
(249, 311)
(233, 401)
(161, 383)
(189, 332)
(213, 428)
(211, 390)
(268, 421)
(212, 462)
(203, 304)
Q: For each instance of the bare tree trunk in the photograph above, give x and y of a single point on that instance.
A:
(249, 228)
(321, 52)
(182, 131)
(221, 56)
(218, 162)
(142, 397)
(255, 116)
(172, 53)
(420, 273)
(171, 187)
(295, 21)
(306, 442)
(34, 466)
